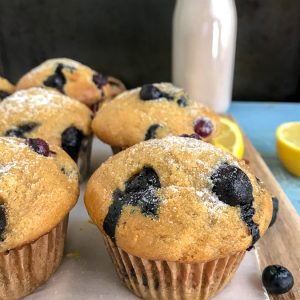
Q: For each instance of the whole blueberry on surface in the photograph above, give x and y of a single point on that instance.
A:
(277, 279)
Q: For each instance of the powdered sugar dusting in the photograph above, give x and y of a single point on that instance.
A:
(15, 145)
(168, 87)
(36, 98)
(201, 184)
(187, 145)
(11, 147)
(5, 168)
(204, 196)
(210, 200)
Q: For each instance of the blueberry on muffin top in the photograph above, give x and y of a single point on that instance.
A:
(35, 195)
(178, 199)
(47, 114)
(71, 78)
(152, 111)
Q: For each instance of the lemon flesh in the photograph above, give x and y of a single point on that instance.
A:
(230, 138)
(288, 146)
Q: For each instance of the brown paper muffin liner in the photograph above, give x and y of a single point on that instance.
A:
(84, 158)
(24, 269)
(166, 280)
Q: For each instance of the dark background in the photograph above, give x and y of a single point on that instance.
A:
(132, 40)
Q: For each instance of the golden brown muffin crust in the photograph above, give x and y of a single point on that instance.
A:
(37, 192)
(182, 219)
(51, 111)
(127, 120)
(72, 78)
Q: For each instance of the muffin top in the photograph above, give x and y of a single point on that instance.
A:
(47, 114)
(68, 77)
(152, 111)
(38, 187)
(178, 199)
(6, 88)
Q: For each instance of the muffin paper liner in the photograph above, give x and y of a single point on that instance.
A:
(25, 268)
(84, 158)
(164, 280)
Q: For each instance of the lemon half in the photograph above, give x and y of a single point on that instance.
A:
(230, 138)
(288, 146)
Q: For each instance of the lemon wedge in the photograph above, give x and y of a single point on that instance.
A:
(230, 138)
(288, 146)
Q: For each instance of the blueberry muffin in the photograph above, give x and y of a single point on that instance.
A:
(6, 88)
(73, 79)
(47, 114)
(177, 215)
(152, 111)
(38, 188)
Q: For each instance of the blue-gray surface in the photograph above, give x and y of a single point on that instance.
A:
(259, 121)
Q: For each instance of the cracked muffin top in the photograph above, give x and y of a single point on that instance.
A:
(47, 114)
(152, 111)
(178, 199)
(38, 187)
(6, 88)
(71, 78)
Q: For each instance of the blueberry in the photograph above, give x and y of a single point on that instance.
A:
(277, 279)
(151, 132)
(99, 80)
(2, 221)
(151, 92)
(232, 185)
(247, 213)
(71, 140)
(57, 80)
(140, 191)
(39, 146)
(3, 94)
(193, 136)
(22, 129)
(203, 127)
(182, 101)
(16, 132)
(275, 210)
